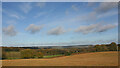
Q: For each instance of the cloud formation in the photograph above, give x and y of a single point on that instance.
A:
(106, 6)
(26, 7)
(87, 29)
(108, 14)
(103, 10)
(10, 31)
(95, 28)
(105, 28)
(56, 31)
(13, 14)
(32, 28)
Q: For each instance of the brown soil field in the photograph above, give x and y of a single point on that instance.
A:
(86, 59)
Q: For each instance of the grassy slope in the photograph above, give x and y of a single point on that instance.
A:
(87, 59)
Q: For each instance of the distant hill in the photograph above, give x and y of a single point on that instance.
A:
(57, 47)
(53, 47)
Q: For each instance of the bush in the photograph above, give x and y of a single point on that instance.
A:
(13, 55)
(27, 53)
(67, 53)
(4, 56)
(113, 46)
(39, 55)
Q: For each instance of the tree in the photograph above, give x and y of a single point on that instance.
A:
(4, 56)
(113, 46)
(67, 53)
(27, 53)
(30, 53)
(91, 49)
(98, 48)
(105, 48)
(39, 54)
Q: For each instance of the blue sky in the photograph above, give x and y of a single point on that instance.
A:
(59, 23)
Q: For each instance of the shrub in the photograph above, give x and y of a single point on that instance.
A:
(13, 55)
(27, 53)
(30, 53)
(39, 55)
(98, 48)
(4, 56)
(67, 53)
(113, 46)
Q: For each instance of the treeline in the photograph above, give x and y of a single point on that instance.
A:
(23, 53)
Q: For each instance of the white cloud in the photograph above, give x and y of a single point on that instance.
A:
(107, 14)
(103, 10)
(41, 4)
(13, 14)
(95, 28)
(87, 29)
(17, 16)
(26, 7)
(105, 27)
(10, 31)
(32, 28)
(83, 18)
(56, 31)
(106, 6)
(94, 16)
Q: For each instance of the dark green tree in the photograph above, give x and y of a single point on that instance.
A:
(113, 46)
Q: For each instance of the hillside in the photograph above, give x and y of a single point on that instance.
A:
(86, 59)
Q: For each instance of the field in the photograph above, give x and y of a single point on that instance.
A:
(86, 59)
(52, 56)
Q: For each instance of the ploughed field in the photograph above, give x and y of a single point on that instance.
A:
(86, 59)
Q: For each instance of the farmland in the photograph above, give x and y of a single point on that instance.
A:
(97, 55)
(33, 53)
(109, 58)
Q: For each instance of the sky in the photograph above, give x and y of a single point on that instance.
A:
(59, 23)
